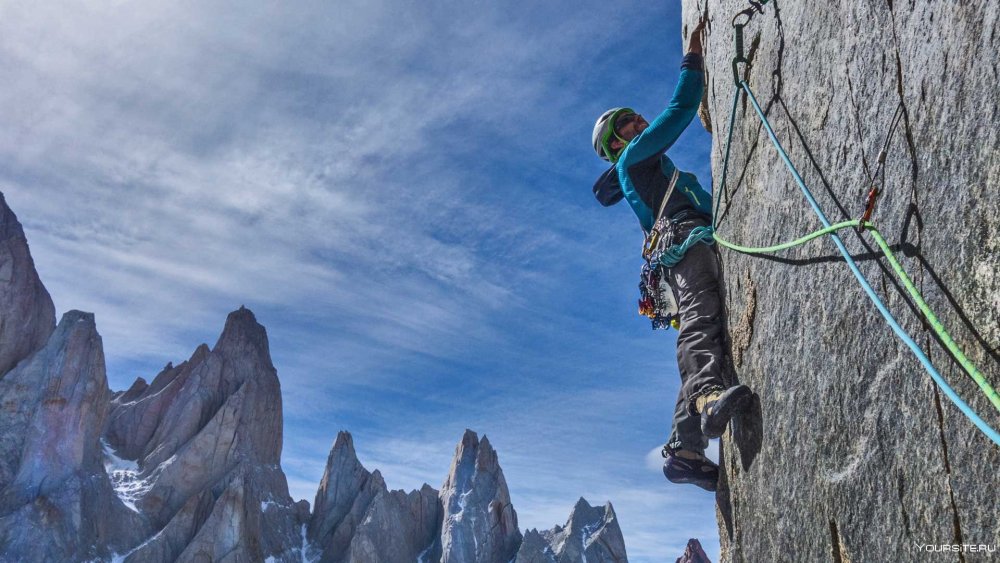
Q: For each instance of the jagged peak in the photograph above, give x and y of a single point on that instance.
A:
(475, 487)
(693, 553)
(243, 330)
(343, 447)
(344, 457)
(486, 456)
(376, 482)
(477, 450)
(469, 439)
(609, 511)
(10, 227)
(137, 388)
(77, 316)
(200, 353)
(584, 514)
(28, 314)
(344, 439)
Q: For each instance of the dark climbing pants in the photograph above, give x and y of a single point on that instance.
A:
(697, 289)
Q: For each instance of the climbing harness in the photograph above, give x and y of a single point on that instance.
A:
(659, 253)
(656, 297)
(861, 224)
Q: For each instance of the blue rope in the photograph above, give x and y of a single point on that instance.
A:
(948, 391)
(673, 255)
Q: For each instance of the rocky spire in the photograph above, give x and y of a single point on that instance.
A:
(357, 519)
(343, 498)
(54, 406)
(480, 523)
(591, 535)
(693, 553)
(212, 423)
(27, 315)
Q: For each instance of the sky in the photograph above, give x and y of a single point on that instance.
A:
(400, 191)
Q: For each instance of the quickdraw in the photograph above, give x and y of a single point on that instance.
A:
(874, 191)
(755, 8)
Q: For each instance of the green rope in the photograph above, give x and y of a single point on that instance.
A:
(932, 319)
(787, 245)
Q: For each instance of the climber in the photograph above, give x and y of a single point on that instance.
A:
(643, 175)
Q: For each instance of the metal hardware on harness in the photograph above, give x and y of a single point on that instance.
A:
(652, 239)
(656, 298)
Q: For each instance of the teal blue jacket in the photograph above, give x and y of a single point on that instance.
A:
(644, 170)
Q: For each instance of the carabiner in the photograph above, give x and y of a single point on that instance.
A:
(755, 8)
(650, 243)
(739, 58)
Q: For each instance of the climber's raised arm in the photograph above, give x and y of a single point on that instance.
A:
(663, 132)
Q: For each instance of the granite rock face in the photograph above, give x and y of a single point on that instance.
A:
(591, 534)
(480, 523)
(852, 453)
(206, 439)
(55, 497)
(342, 501)
(28, 315)
(399, 527)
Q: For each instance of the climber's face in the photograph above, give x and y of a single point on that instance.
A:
(628, 127)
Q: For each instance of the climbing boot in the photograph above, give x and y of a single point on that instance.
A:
(717, 408)
(701, 472)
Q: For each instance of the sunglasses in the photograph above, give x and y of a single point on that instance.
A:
(623, 120)
(618, 119)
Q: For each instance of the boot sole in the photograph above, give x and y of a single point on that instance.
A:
(733, 401)
(708, 486)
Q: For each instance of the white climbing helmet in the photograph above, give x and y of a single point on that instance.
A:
(604, 130)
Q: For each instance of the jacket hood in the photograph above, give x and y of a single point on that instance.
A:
(608, 189)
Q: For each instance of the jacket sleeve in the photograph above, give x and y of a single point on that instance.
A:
(663, 132)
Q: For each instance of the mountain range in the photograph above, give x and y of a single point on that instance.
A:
(187, 466)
